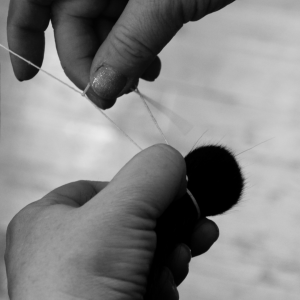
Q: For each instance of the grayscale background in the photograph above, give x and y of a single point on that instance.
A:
(235, 77)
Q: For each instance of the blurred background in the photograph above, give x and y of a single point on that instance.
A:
(235, 78)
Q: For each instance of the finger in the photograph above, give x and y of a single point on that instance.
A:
(178, 263)
(146, 185)
(207, 7)
(74, 193)
(141, 32)
(79, 29)
(165, 288)
(77, 43)
(152, 72)
(27, 21)
(205, 234)
(103, 27)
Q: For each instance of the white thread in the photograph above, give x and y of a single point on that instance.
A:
(30, 63)
(85, 90)
(195, 202)
(108, 118)
(77, 91)
(193, 199)
(151, 115)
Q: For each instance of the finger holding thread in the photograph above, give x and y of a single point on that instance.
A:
(142, 31)
(80, 28)
(130, 48)
(112, 63)
(77, 44)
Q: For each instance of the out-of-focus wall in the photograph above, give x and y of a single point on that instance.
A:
(235, 77)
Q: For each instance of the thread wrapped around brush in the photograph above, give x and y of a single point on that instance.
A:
(216, 182)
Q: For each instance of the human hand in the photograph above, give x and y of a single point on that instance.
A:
(109, 43)
(95, 240)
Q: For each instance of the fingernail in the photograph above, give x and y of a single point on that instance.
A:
(108, 83)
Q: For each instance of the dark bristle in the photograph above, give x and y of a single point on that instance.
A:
(214, 178)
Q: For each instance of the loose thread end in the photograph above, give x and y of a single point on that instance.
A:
(151, 115)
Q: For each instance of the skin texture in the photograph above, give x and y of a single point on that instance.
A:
(95, 240)
(124, 35)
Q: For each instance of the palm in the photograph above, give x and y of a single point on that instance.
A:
(117, 257)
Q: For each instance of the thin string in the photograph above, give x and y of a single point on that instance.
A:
(151, 115)
(108, 118)
(32, 64)
(85, 90)
(254, 146)
(75, 90)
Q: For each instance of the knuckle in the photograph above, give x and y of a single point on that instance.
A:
(192, 10)
(11, 231)
(186, 10)
(173, 14)
(16, 225)
(199, 9)
(130, 47)
(170, 15)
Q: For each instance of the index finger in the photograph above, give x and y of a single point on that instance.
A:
(26, 23)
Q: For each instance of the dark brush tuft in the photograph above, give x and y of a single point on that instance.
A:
(214, 178)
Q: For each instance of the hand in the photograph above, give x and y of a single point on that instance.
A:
(95, 240)
(109, 43)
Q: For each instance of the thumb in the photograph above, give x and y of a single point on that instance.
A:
(140, 33)
(145, 186)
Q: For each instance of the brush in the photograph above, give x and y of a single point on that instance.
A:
(216, 183)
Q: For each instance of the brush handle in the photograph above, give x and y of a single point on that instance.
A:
(174, 227)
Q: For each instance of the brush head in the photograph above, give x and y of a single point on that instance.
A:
(214, 178)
